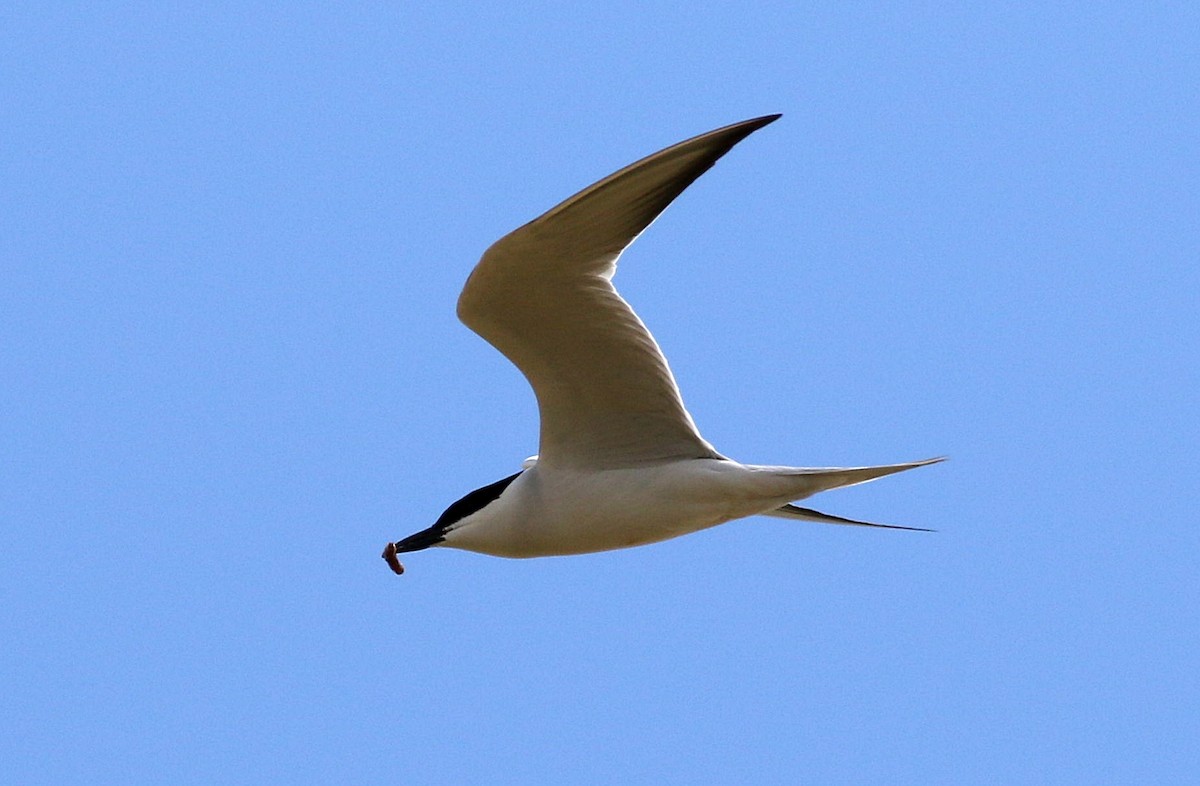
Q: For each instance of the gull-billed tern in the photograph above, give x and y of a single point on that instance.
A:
(620, 462)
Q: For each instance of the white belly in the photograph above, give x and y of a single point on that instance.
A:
(554, 511)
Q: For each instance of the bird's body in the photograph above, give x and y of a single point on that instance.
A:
(550, 510)
(621, 463)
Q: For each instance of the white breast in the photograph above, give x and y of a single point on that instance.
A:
(555, 511)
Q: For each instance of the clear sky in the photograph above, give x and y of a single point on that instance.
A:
(231, 239)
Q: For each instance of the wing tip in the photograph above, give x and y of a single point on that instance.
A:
(764, 120)
(739, 131)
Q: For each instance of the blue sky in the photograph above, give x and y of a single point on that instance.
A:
(231, 238)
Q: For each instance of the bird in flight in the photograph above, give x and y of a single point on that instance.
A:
(620, 462)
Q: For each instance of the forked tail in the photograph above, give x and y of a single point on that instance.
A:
(816, 480)
(790, 511)
(803, 483)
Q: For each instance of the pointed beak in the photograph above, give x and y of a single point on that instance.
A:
(389, 554)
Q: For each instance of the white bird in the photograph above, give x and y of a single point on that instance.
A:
(620, 462)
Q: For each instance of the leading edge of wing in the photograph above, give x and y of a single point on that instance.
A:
(597, 223)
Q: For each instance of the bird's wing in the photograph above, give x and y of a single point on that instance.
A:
(543, 296)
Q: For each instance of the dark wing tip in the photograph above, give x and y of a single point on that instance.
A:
(758, 122)
(736, 132)
(729, 135)
(610, 213)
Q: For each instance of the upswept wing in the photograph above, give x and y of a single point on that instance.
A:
(543, 296)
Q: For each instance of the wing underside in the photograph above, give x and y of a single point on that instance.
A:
(543, 296)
